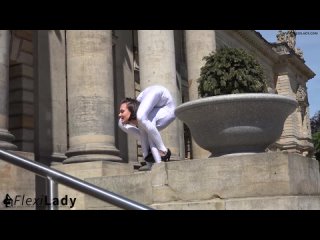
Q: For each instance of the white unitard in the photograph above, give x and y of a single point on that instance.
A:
(155, 112)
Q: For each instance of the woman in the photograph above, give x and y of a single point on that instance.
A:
(144, 117)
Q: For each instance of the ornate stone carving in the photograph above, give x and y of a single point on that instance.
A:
(299, 52)
(289, 37)
(280, 49)
(302, 98)
(301, 94)
(281, 37)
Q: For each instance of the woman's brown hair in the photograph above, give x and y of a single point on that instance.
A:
(132, 105)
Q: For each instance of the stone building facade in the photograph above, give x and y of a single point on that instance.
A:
(60, 89)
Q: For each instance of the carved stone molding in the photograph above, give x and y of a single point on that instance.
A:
(302, 98)
(301, 94)
(289, 38)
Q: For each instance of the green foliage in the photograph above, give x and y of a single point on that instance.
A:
(315, 123)
(315, 130)
(316, 142)
(229, 71)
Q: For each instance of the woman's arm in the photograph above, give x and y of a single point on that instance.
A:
(129, 129)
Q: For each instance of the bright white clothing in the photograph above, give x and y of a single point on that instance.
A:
(155, 112)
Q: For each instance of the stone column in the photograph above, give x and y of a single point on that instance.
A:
(285, 85)
(51, 102)
(90, 96)
(5, 137)
(199, 43)
(157, 66)
(124, 87)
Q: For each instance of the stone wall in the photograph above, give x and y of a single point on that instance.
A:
(21, 84)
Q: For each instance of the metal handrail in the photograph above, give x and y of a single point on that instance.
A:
(72, 182)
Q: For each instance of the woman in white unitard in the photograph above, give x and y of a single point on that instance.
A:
(144, 117)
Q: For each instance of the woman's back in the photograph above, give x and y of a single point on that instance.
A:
(165, 98)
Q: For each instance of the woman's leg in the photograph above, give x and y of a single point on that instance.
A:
(161, 118)
(144, 142)
(147, 122)
(155, 152)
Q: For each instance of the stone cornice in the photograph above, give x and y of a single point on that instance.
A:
(288, 55)
(256, 40)
(277, 52)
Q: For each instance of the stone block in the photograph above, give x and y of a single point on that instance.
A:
(24, 34)
(20, 83)
(25, 58)
(274, 203)
(16, 181)
(21, 121)
(86, 171)
(21, 96)
(23, 134)
(164, 194)
(27, 46)
(215, 204)
(254, 175)
(23, 145)
(21, 108)
(21, 70)
(136, 187)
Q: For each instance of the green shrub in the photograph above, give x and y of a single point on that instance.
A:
(316, 142)
(230, 71)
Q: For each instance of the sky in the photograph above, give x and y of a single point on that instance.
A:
(309, 42)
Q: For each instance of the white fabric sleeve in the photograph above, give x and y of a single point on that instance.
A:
(129, 129)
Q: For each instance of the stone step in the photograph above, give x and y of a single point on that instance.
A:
(230, 177)
(215, 204)
(255, 203)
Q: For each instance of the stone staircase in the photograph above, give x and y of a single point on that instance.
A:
(276, 180)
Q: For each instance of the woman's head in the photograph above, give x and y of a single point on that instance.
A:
(128, 110)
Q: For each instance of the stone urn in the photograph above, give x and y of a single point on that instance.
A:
(236, 123)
